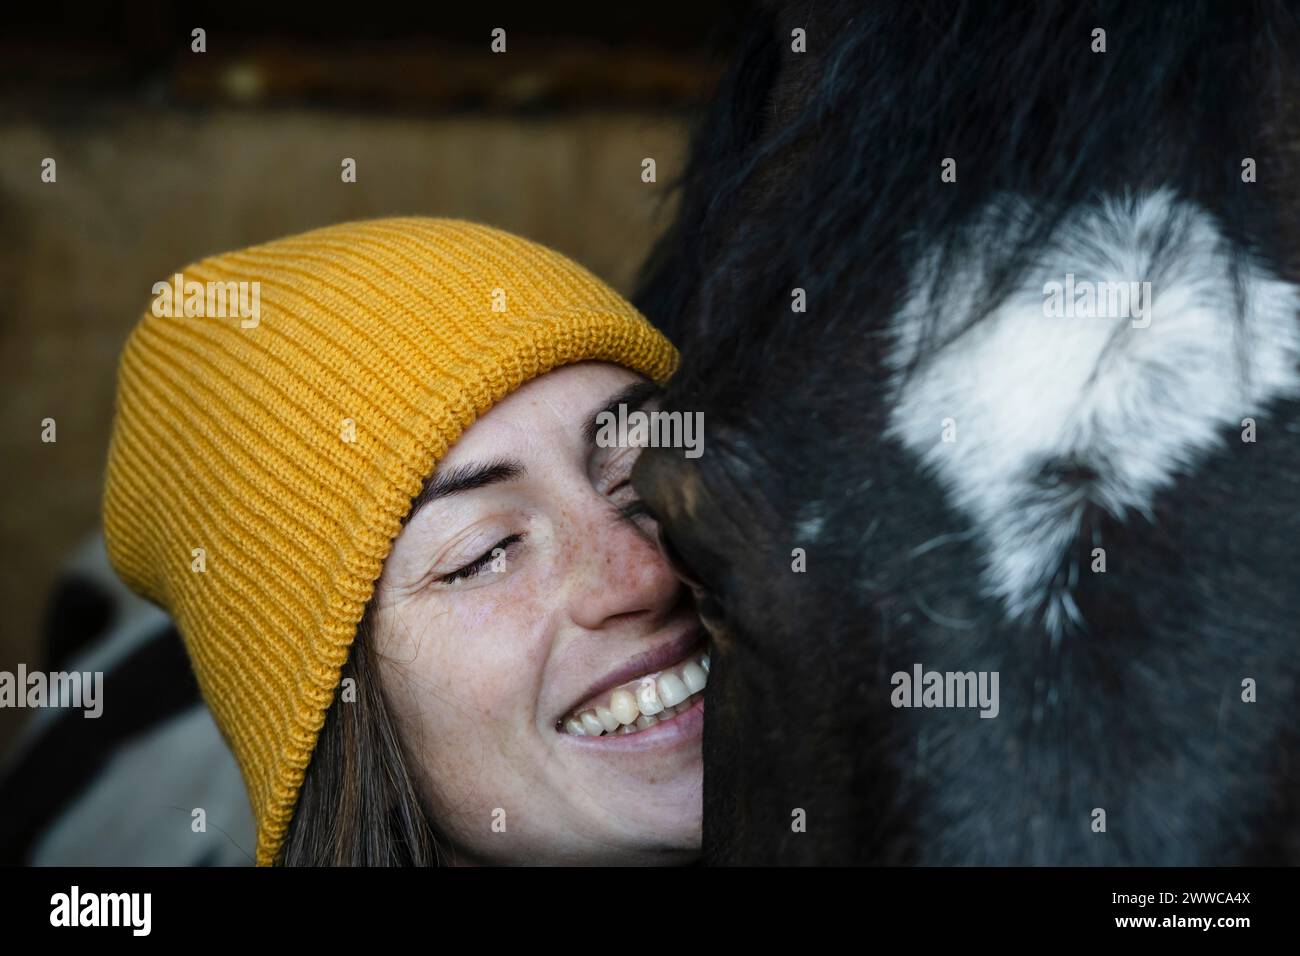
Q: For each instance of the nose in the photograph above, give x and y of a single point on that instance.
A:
(620, 575)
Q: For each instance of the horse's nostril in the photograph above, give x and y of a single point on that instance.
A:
(675, 560)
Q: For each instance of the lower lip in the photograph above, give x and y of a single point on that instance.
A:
(678, 731)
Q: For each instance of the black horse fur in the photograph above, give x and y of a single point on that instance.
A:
(1149, 711)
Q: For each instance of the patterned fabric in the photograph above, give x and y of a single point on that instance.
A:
(121, 789)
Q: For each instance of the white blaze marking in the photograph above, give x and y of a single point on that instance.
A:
(1137, 405)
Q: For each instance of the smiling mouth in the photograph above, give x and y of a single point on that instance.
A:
(642, 702)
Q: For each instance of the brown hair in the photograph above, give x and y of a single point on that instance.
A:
(358, 805)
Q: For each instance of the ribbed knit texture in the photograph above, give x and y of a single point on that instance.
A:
(231, 439)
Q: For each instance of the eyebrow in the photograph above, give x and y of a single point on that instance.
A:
(465, 478)
(634, 396)
(443, 484)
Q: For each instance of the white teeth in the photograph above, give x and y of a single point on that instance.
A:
(623, 706)
(671, 690)
(694, 677)
(607, 719)
(634, 707)
(647, 697)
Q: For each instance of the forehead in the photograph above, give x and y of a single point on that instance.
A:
(541, 411)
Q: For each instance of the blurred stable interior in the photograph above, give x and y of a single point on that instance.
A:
(165, 155)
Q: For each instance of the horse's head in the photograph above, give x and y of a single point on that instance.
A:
(993, 327)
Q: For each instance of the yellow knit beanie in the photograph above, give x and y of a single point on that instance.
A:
(268, 439)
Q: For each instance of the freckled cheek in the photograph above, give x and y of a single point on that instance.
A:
(478, 657)
(487, 658)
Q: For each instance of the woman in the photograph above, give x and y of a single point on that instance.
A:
(378, 514)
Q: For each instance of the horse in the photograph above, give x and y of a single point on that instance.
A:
(992, 315)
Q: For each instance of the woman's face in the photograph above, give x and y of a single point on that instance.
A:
(517, 616)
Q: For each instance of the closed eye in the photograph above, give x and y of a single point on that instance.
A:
(479, 564)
